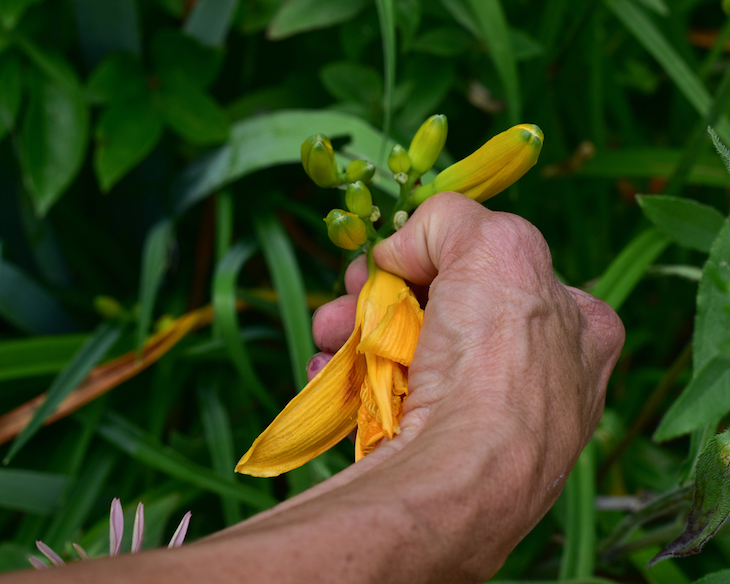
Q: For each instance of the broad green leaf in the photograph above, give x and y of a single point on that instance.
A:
(297, 16)
(655, 163)
(711, 505)
(192, 113)
(209, 21)
(89, 355)
(721, 577)
(704, 400)
(53, 139)
(445, 41)
(11, 82)
(652, 39)
(687, 222)
(175, 55)
(38, 355)
(30, 490)
(627, 269)
(145, 449)
(429, 82)
(155, 255)
(104, 27)
(226, 319)
(30, 307)
(126, 133)
(287, 278)
(493, 30)
(118, 77)
(269, 140)
(254, 15)
(353, 82)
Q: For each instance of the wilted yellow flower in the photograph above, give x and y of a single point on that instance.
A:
(491, 169)
(363, 386)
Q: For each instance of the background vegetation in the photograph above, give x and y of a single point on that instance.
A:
(149, 167)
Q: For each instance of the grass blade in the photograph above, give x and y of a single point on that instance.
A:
(284, 270)
(90, 354)
(30, 490)
(386, 16)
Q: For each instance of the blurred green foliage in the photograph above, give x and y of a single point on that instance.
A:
(149, 166)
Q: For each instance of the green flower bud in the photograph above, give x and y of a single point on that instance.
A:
(358, 199)
(108, 307)
(345, 230)
(360, 170)
(428, 143)
(398, 160)
(318, 160)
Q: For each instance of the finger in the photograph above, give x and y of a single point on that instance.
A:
(356, 274)
(334, 322)
(317, 363)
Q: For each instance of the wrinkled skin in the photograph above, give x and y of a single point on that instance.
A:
(506, 388)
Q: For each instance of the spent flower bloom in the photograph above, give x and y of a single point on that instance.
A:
(116, 531)
(363, 386)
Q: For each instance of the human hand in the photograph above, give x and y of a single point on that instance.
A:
(510, 372)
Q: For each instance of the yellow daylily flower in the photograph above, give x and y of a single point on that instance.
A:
(363, 386)
(491, 169)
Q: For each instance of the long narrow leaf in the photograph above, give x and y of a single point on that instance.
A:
(30, 490)
(146, 450)
(386, 16)
(93, 351)
(210, 20)
(282, 264)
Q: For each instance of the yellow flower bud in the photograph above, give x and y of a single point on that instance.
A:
(358, 199)
(428, 143)
(492, 168)
(398, 160)
(345, 230)
(318, 160)
(360, 170)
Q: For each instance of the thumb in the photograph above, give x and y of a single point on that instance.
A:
(424, 246)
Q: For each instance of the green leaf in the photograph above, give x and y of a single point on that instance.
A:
(226, 320)
(493, 30)
(89, 355)
(272, 139)
(287, 279)
(445, 41)
(53, 139)
(657, 6)
(353, 82)
(176, 55)
(429, 81)
(40, 355)
(386, 18)
(297, 16)
(720, 577)
(28, 306)
(651, 38)
(705, 399)
(103, 27)
(254, 15)
(209, 21)
(192, 113)
(687, 222)
(30, 491)
(119, 77)
(154, 264)
(11, 82)
(655, 163)
(711, 505)
(627, 269)
(126, 133)
(148, 451)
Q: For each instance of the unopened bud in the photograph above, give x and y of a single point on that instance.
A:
(345, 230)
(360, 170)
(428, 143)
(318, 160)
(358, 199)
(398, 161)
(108, 307)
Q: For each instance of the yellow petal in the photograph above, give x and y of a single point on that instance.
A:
(383, 291)
(396, 335)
